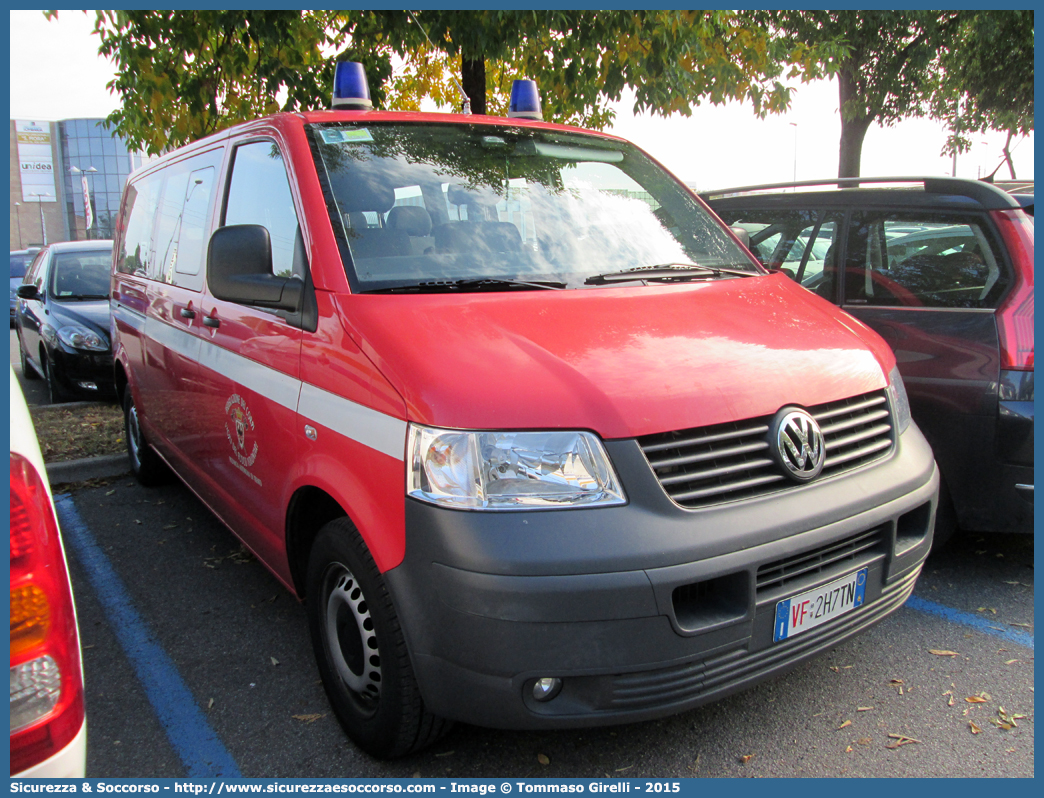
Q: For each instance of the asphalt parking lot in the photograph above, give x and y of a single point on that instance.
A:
(198, 663)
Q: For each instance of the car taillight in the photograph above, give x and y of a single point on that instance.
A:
(47, 707)
(1015, 315)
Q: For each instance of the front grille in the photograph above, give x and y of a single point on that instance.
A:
(726, 462)
(808, 564)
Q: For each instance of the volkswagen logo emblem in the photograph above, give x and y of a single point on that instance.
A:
(797, 444)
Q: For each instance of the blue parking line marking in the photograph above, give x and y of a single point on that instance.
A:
(200, 749)
(968, 619)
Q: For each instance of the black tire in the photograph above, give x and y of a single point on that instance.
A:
(360, 649)
(145, 464)
(56, 393)
(28, 371)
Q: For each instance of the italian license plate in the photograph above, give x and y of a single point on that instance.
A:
(806, 611)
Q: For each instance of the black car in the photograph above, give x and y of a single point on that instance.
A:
(942, 268)
(63, 320)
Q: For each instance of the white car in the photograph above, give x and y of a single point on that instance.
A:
(48, 721)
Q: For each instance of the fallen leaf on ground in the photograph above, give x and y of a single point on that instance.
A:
(864, 741)
(1025, 625)
(844, 725)
(746, 758)
(309, 718)
(1012, 661)
(210, 704)
(274, 660)
(848, 750)
(974, 729)
(900, 740)
(543, 760)
(942, 653)
(987, 609)
(863, 709)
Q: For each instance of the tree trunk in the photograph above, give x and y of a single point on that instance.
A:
(853, 130)
(1007, 154)
(473, 79)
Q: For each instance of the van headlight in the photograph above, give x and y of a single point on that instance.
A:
(509, 470)
(80, 337)
(900, 401)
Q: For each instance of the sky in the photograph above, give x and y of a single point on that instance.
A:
(716, 147)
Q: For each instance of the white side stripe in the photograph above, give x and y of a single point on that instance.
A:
(362, 424)
(268, 382)
(384, 433)
(181, 341)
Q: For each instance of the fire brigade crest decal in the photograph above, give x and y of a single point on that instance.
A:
(239, 427)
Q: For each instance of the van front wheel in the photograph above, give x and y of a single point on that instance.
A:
(360, 649)
(145, 464)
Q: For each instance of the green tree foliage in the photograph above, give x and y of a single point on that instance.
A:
(986, 82)
(184, 74)
(972, 66)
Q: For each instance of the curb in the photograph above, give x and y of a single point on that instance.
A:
(110, 465)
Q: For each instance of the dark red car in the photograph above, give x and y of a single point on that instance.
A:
(942, 268)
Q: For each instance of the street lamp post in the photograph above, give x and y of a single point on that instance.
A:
(18, 217)
(43, 227)
(794, 125)
(88, 216)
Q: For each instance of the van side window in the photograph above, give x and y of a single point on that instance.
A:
(190, 195)
(168, 225)
(259, 193)
(135, 251)
(928, 260)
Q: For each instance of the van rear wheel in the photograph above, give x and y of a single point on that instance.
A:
(360, 649)
(145, 464)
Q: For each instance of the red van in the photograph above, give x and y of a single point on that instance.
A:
(535, 439)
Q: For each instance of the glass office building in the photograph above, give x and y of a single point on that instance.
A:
(88, 144)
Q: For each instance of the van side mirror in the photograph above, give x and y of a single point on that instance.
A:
(742, 234)
(239, 269)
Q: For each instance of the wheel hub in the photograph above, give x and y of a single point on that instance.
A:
(351, 641)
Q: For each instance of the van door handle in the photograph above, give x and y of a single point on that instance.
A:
(187, 313)
(211, 321)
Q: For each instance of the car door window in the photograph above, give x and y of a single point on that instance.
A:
(923, 260)
(800, 243)
(259, 193)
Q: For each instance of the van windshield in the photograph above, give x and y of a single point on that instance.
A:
(428, 207)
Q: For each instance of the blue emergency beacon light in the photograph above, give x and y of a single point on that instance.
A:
(351, 92)
(525, 101)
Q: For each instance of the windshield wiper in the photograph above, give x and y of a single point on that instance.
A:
(77, 297)
(474, 284)
(665, 271)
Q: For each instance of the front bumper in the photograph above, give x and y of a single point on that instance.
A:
(75, 369)
(648, 609)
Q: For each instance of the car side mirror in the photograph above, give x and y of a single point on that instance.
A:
(28, 291)
(239, 269)
(742, 234)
